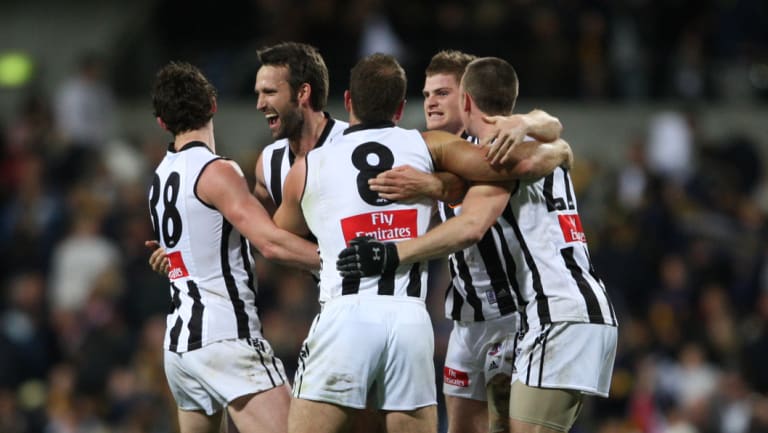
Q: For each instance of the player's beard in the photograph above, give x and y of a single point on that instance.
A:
(291, 124)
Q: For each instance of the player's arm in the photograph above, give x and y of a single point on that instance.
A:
(531, 159)
(260, 188)
(407, 183)
(509, 131)
(289, 215)
(223, 186)
(482, 205)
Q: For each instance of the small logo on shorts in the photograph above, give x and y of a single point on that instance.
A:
(495, 349)
(455, 377)
(493, 365)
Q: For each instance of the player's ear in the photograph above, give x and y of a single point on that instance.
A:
(466, 102)
(161, 123)
(305, 91)
(399, 112)
(347, 101)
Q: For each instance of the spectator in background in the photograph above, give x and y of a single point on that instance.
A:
(84, 116)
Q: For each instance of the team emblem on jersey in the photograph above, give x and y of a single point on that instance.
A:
(176, 263)
(392, 225)
(570, 224)
(455, 377)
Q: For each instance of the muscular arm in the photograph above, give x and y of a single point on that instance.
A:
(260, 188)
(482, 205)
(289, 215)
(531, 158)
(407, 183)
(223, 186)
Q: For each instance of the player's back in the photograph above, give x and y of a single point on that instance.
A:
(212, 287)
(339, 206)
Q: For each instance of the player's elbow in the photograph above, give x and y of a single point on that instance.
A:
(473, 230)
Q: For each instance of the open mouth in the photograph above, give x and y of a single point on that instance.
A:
(272, 119)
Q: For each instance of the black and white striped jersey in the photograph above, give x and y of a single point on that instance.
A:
(213, 290)
(481, 275)
(338, 205)
(277, 158)
(553, 275)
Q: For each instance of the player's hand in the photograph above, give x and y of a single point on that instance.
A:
(405, 183)
(158, 261)
(366, 257)
(508, 132)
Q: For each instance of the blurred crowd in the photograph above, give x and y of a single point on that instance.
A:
(624, 50)
(677, 230)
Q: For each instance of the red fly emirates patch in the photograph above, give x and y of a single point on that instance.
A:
(178, 270)
(455, 377)
(571, 226)
(393, 225)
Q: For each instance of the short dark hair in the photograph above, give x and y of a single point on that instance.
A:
(182, 97)
(450, 62)
(492, 83)
(377, 86)
(305, 65)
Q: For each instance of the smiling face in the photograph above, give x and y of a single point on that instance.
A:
(441, 103)
(278, 102)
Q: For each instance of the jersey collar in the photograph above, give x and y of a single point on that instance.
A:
(377, 124)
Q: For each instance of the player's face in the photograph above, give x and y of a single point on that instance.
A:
(441, 103)
(276, 101)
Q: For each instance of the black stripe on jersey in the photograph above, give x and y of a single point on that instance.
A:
(245, 254)
(238, 305)
(197, 180)
(593, 306)
(414, 281)
(511, 267)
(463, 270)
(593, 272)
(472, 299)
(387, 283)
(567, 182)
(542, 304)
(492, 262)
(176, 329)
(350, 285)
(195, 324)
(277, 369)
(326, 131)
(275, 180)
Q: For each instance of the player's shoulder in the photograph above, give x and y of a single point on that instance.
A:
(278, 144)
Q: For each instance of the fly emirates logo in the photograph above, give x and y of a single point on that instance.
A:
(391, 225)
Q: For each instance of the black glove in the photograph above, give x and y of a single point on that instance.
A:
(365, 256)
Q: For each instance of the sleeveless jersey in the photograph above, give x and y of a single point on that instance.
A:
(277, 158)
(482, 275)
(339, 206)
(549, 256)
(213, 290)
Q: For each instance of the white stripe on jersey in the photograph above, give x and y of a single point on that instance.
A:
(553, 269)
(277, 157)
(212, 286)
(338, 205)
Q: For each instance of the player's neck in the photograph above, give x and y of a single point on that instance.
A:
(311, 130)
(204, 134)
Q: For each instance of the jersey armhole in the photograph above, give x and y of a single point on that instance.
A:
(306, 178)
(199, 174)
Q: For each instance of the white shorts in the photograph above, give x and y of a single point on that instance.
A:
(209, 378)
(568, 355)
(368, 348)
(476, 353)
